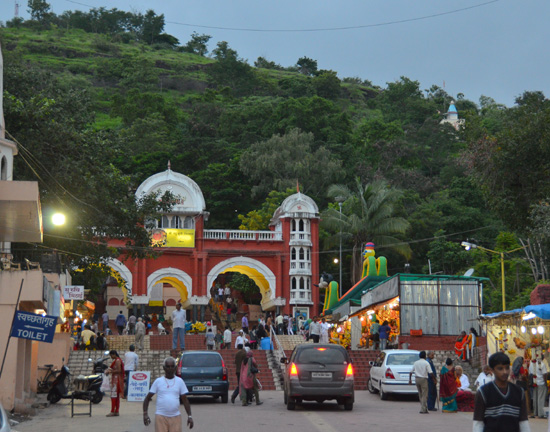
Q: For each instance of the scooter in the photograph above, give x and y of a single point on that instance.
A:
(87, 388)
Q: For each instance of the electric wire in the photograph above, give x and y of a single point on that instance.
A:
(321, 29)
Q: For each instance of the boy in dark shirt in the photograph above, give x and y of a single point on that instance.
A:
(500, 406)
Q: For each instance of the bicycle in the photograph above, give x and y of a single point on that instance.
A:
(44, 385)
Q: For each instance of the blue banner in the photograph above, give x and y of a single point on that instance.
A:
(40, 328)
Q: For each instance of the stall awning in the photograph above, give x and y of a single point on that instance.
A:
(541, 311)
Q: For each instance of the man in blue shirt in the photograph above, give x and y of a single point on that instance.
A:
(120, 322)
(384, 332)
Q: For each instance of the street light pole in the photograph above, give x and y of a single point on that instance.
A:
(340, 200)
(469, 246)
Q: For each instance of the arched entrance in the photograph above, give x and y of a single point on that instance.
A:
(125, 274)
(176, 278)
(255, 270)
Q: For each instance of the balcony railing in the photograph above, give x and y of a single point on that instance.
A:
(243, 235)
(300, 236)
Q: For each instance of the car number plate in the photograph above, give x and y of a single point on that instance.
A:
(321, 374)
(202, 388)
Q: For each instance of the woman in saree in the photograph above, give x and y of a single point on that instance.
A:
(448, 388)
(249, 383)
(461, 345)
(116, 372)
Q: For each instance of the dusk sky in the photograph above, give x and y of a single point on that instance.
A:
(496, 48)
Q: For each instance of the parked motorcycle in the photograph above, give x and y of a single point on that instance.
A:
(86, 388)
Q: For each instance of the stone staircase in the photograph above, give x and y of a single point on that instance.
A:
(151, 359)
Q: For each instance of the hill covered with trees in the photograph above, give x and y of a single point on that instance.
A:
(99, 101)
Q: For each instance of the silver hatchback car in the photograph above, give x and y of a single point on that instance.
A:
(316, 372)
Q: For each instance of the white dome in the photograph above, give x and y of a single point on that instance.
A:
(297, 205)
(189, 198)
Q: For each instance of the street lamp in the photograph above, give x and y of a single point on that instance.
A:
(469, 246)
(340, 200)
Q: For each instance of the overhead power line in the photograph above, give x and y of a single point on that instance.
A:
(323, 29)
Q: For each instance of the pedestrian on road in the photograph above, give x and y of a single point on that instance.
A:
(140, 333)
(132, 324)
(120, 322)
(249, 383)
(131, 361)
(540, 391)
(171, 392)
(105, 319)
(116, 371)
(422, 372)
(227, 338)
(178, 327)
(500, 405)
(239, 357)
(432, 383)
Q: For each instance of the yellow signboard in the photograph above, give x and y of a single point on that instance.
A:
(172, 237)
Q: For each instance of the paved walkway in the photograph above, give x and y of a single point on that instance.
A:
(369, 414)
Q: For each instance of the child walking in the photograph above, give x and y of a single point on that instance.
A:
(500, 406)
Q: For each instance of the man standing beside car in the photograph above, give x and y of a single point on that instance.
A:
(422, 372)
(171, 392)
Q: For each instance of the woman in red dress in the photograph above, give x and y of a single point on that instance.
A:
(116, 372)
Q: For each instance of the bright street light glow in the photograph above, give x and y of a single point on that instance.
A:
(335, 260)
(58, 219)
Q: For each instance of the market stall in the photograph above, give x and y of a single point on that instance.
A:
(418, 306)
(519, 332)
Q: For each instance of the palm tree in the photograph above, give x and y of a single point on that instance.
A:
(367, 216)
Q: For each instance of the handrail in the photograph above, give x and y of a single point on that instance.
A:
(278, 351)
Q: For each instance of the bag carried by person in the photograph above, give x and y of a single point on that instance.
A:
(105, 384)
(254, 369)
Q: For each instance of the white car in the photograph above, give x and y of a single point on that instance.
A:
(390, 373)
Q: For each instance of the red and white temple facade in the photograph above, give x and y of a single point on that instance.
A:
(283, 261)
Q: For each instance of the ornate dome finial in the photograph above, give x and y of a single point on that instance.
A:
(169, 166)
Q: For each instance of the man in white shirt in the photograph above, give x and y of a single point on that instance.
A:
(484, 377)
(171, 392)
(324, 331)
(314, 330)
(131, 360)
(227, 292)
(464, 380)
(241, 339)
(220, 294)
(422, 372)
(178, 327)
(227, 338)
(538, 370)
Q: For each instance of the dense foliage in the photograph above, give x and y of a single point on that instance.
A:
(101, 100)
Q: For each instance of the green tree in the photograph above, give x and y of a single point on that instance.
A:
(511, 164)
(260, 219)
(198, 44)
(39, 10)
(306, 66)
(368, 215)
(281, 161)
(231, 71)
(327, 84)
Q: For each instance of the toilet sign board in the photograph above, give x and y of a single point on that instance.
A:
(31, 326)
(138, 385)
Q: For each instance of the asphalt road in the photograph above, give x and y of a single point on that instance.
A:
(369, 414)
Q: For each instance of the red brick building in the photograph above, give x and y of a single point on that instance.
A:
(283, 261)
